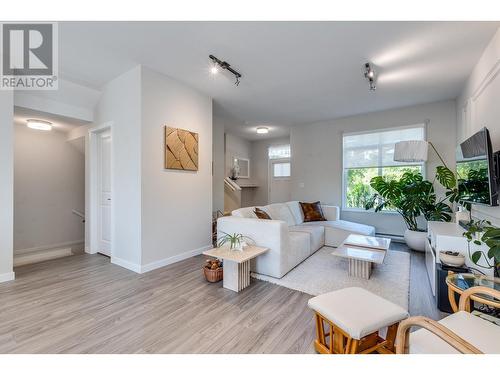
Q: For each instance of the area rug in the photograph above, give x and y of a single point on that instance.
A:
(323, 272)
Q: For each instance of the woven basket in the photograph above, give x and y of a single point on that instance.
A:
(213, 276)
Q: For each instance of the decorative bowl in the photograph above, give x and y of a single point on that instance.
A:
(452, 259)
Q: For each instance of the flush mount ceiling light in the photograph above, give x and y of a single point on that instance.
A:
(262, 130)
(39, 124)
(371, 75)
(223, 65)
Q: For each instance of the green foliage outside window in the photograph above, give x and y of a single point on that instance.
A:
(358, 189)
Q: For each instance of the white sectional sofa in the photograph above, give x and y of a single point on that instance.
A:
(289, 238)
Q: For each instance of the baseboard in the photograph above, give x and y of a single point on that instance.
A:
(41, 256)
(62, 245)
(126, 264)
(176, 258)
(9, 276)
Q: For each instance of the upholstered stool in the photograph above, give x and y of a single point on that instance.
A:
(353, 318)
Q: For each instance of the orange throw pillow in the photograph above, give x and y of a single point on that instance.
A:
(261, 214)
(312, 211)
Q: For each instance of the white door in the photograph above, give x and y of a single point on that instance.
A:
(279, 180)
(104, 188)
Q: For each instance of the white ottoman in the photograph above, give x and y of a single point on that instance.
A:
(354, 317)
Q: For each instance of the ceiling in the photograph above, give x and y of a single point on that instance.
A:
(59, 123)
(293, 72)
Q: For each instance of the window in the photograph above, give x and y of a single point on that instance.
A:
(281, 169)
(370, 154)
(279, 152)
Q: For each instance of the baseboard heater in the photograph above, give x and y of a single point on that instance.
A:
(393, 237)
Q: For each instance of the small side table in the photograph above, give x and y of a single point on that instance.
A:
(236, 265)
(458, 282)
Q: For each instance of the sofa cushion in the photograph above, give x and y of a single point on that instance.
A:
(349, 226)
(247, 212)
(280, 211)
(316, 234)
(357, 311)
(296, 211)
(482, 334)
(300, 249)
(336, 231)
(312, 211)
(261, 214)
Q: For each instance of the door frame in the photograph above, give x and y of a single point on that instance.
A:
(94, 134)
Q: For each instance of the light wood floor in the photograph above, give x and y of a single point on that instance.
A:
(85, 304)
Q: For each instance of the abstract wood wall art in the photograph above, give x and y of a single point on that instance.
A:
(181, 149)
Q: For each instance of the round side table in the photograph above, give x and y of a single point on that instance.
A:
(458, 282)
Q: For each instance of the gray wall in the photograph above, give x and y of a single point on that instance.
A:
(176, 205)
(6, 185)
(317, 155)
(218, 160)
(49, 182)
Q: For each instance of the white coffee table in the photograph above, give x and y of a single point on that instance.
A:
(363, 252)
(236, 265)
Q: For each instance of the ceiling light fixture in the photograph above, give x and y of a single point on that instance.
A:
(262, 130)
(39, 124)
(224, 65)
(371, 75)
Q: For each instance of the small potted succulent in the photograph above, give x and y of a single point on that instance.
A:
(236, 241)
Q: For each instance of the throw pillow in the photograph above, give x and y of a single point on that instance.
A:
(261, 214)
(312, 211)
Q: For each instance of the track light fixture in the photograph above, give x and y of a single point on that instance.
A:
(371, 75)
(223, 65)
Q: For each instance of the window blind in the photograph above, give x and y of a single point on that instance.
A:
(376, 149)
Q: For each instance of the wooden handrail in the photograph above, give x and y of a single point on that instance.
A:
(448, 336)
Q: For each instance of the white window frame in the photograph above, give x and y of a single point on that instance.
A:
(424, 125)
(280, 161)
(279, 145)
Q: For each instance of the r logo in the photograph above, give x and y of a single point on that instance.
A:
(28, 49)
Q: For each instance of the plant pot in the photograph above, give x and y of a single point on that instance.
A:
(415, 239)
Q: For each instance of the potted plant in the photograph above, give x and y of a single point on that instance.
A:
(482, 232)
(235, 241)
(412, 196)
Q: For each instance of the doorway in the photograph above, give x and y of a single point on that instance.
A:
(49, 186)
(279, 180)
(101, 232)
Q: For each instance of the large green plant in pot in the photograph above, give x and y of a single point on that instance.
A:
(412, 196)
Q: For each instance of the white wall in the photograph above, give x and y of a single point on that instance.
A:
(236, 147)
(69, 100)
(317, 155)
(478, 107)
(218, 158)
(176, 205)
(6, 185)
(120, 103)
(49, 182)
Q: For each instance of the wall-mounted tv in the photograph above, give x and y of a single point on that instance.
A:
(477, 179)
